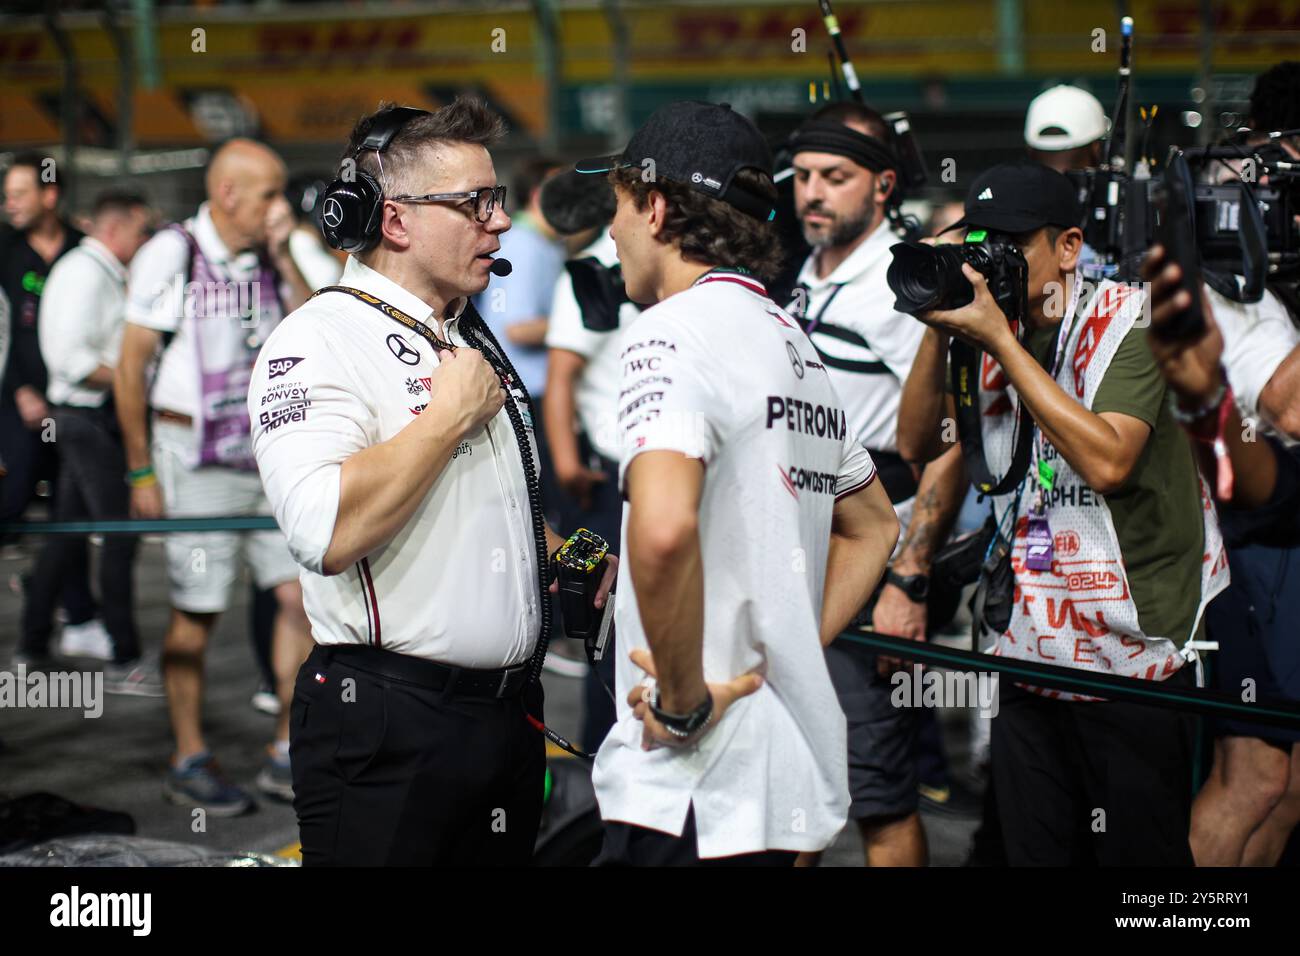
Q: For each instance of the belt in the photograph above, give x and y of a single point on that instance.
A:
(175, 417)
(500, 682)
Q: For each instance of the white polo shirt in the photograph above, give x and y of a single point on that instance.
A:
(867, 346)
(153, 297)
(1257, 337)
(458, 584)
(719, 372)
(596, 392)
(80, 325)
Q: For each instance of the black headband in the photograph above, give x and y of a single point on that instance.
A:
(828, 136)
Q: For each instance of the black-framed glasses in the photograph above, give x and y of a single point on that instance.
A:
(485, 200)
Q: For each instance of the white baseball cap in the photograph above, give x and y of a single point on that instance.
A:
(1064, 117)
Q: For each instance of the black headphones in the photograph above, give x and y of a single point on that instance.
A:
(350, 211)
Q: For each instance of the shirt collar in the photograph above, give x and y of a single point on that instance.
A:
(212, 246)
(868, 253)
(102, 253)
(360, 276)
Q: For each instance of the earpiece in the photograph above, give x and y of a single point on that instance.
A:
(351, 209)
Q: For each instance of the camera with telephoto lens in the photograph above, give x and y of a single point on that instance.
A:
(929, 278)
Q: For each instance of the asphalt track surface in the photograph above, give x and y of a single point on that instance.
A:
(117, 761)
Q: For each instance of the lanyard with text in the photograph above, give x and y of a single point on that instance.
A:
(1039, 545)
(415, 325)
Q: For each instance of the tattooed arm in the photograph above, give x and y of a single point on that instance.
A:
(938, 499)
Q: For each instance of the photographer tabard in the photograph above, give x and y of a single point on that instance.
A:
(846, 180)
(1105, 555)
(405, 476)
(753, 525)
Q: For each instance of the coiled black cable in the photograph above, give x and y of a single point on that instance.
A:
(477, 334)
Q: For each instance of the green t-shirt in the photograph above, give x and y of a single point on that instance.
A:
(1157, 513)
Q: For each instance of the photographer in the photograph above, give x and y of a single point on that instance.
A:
(753, 523)
(1250, 804)
(1107, 556)
(845, 179)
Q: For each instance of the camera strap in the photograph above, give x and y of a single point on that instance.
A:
(965, 372)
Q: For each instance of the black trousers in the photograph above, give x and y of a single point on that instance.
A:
(1087, 783)
(28, 460)
(628, 845)
(92, 485)
(390, 773)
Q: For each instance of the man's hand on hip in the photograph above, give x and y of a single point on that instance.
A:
(654, 734)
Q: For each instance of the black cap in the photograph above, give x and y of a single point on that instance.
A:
(700, 145)
(572, 203)
(1021, 197)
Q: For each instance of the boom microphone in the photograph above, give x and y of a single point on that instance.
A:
(501, 267)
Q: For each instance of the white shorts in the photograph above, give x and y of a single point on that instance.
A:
(202, 566)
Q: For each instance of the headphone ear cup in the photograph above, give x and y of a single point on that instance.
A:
(349, 213)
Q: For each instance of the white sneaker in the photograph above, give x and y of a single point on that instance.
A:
(86, 640)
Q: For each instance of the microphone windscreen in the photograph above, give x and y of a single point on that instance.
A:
(501, 267)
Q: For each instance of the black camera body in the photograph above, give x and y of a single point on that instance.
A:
(928, 278)
(1244, 233)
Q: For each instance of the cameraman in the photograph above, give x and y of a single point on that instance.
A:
(1245, 813)
(1124, 557)
(845, 182)
(1265, 376)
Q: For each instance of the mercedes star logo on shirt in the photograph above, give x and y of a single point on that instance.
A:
(332, 214)
(795, 361)
(403, 351)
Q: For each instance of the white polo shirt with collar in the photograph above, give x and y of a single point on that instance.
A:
(457, 584)
(867, 346)
(718, 372)
(153, 297)
(82, 310)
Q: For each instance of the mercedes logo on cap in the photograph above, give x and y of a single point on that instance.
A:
(403, 351)
(332, 214)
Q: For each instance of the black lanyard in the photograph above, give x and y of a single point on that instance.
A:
(415, 325)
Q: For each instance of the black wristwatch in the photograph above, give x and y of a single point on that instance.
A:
(683, 725)
(915, 586)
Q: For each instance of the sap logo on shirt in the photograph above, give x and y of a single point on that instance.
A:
(280, 366)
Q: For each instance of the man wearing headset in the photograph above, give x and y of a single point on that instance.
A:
(398, 473)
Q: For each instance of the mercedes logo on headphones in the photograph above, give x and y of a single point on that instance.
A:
(332, 214)
(403, 351)
(795, 361)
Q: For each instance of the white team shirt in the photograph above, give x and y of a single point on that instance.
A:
(1257, 336)
(83, 306)
(596, 392)
(867, 346)
(458, 584)
(157, 286)
(719, 372)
